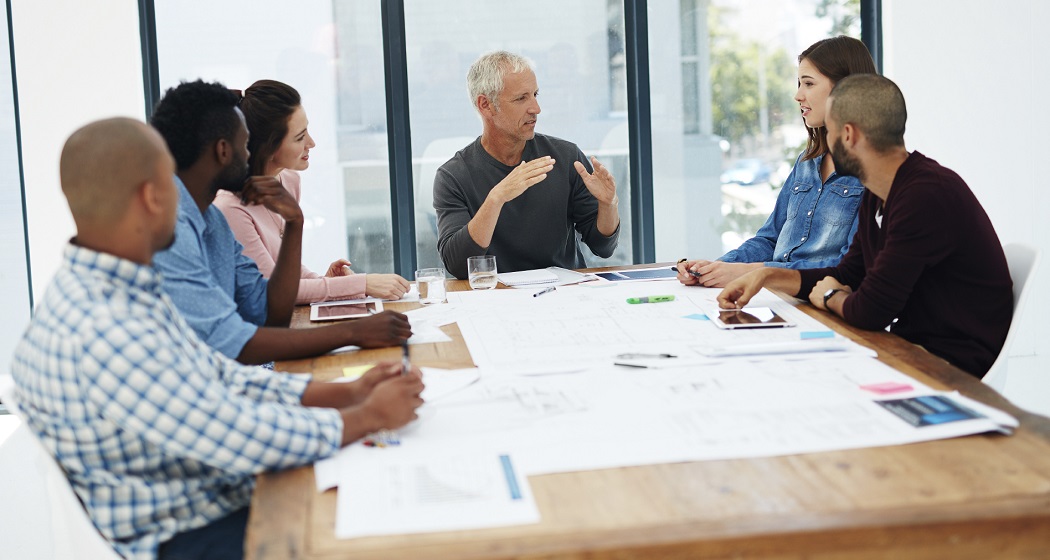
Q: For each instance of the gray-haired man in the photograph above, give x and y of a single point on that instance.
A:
(517, 194)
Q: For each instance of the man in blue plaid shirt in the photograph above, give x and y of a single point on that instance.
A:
(159, 434)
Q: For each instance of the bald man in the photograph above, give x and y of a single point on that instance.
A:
(159, 434)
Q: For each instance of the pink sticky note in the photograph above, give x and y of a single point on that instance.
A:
(887, 387)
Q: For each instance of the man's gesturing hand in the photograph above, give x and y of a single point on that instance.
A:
(601, 183)
(525, 175)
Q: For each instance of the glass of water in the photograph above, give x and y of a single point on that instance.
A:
(481, 272)
(431, 285)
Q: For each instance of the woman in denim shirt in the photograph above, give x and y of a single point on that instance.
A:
(815, 216)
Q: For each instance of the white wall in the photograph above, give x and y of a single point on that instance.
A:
(976, 80)
(14, 283)
(76, 62)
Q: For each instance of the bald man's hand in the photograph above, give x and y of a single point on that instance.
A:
(269, 192)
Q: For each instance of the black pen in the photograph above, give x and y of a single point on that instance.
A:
(637, 356)
(692, 273)
(405, 364)
(543, 291)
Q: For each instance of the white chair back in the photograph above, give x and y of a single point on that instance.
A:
(41, 516)
(435, 155)
(1022, 260)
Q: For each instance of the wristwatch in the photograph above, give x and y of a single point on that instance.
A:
(828, 294)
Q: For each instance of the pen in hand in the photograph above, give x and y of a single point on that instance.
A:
(406, 365)
(688, 271)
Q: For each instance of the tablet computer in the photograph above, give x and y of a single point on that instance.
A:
(335, 310)
(747, 318)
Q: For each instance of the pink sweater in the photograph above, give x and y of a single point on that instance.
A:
(259, 230)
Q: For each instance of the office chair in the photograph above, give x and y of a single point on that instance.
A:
(1022, 260)
(434, 156)
(41, 516)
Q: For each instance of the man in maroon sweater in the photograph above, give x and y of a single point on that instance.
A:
(925, 259)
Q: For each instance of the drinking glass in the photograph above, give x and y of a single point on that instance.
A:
(431, 285)
(481, 272)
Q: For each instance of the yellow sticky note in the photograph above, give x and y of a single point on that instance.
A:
(354, 372)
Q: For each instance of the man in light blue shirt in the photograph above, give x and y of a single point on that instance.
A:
(160, 435)
(219, 291)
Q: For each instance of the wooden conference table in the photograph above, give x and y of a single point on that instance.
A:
(984, 496)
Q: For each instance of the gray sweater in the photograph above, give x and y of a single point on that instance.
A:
(535, 230)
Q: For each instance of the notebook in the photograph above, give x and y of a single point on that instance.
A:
(552, 275)
(527, 277)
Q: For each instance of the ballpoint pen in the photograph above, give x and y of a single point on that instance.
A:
(692, 273)
(405, 363)
(543, 291)
(642, 356)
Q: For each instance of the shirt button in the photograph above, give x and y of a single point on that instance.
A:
(803, 239)
(820, 189)
(796, 189)
(785, 256)
(810, 213)
(845, 191)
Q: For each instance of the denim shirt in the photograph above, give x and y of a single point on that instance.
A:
(812, 223)
(218, 290)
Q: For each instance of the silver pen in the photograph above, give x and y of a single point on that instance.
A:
(543, 291)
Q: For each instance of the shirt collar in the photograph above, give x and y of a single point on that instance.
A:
(88, 262)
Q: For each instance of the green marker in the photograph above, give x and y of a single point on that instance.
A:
(649, 299)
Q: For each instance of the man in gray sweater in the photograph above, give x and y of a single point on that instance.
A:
(516, 194)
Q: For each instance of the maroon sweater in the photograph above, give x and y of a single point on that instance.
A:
(935, 265)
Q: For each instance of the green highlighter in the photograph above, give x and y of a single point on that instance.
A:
(649, 299)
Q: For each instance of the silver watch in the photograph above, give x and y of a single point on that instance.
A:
(828, 294)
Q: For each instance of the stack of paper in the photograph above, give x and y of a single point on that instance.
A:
(528, 277)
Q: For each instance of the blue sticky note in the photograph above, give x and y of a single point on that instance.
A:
(696, 317)
(809, 335)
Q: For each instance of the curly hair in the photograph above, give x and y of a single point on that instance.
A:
(194, 115)
(267, 106)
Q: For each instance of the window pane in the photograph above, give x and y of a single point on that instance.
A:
(14, 275)
(722, 96)
(333, 55)
(578, 50)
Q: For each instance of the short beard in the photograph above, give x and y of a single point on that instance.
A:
(845, 164)
(231, 178)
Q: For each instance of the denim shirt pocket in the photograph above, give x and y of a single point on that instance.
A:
(839, 206)
(799, 193)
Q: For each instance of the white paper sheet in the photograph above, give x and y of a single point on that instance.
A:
(590, 414)
(393, 491)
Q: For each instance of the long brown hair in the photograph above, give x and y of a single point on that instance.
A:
(267, 105)
(835, 58)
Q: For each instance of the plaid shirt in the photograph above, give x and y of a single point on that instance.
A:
(158, 433)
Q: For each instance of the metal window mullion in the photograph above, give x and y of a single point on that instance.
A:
(399, 138)
(871, 29)
(18, 144)
(150, 64)
(640, 130)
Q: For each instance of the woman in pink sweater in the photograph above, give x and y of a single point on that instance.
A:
(280, 146)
